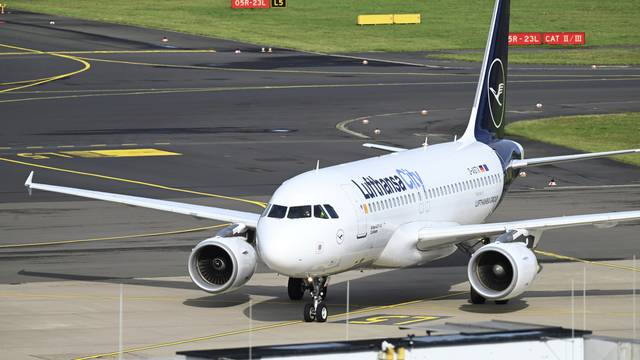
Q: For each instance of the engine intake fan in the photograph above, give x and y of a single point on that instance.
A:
(222, 264)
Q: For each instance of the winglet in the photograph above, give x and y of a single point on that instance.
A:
(28, 182)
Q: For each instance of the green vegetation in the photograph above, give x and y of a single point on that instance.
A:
(587, 133)
(329, 25)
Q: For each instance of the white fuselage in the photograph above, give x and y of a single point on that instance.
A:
(375, 199)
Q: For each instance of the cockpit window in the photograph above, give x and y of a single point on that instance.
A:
(277, 211)
(331, 211)
(319, 212)
(299, 212)
(266, 210)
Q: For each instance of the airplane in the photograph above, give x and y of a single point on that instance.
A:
(403, 209)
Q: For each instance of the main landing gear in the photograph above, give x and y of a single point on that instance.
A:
(317, 310)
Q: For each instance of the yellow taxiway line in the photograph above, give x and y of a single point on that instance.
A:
(170, 188)
(121, 237)
(34, 82)
(597, 263)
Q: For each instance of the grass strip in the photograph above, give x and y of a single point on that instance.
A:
(330, 25)
(588, 133)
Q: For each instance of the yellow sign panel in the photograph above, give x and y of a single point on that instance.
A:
(385, 19)
(389, 19)
(406, 18)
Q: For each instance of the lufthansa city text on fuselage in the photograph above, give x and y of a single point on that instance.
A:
(402, 181)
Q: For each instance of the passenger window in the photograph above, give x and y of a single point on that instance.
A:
(319, 212)
(299, 212)
(331, 211)
(277, 211)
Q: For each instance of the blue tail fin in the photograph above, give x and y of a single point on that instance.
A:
(487, 120)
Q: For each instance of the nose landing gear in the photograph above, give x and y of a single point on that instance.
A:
(318, 309)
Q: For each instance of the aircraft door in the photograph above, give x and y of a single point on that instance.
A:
(359, 208)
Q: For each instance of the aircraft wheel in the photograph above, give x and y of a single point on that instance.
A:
(296, 288)
(322, 313)
(309, 313)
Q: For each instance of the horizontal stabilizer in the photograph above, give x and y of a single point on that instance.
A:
(516, 164)
(384, 147)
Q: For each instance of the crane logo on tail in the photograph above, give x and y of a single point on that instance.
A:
(496, 91)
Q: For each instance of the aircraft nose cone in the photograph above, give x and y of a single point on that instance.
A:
(278, 252)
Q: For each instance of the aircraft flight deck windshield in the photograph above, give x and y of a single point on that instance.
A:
(325, 211)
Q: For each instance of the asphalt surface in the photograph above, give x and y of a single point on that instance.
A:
(240, 124)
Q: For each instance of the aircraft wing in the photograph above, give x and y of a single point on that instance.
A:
(433, 237)
(206, 212)
(564, 158)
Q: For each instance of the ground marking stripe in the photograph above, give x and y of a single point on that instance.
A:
(131, 236)
(597, 263)
(258, 203)
(285, 87)
(35, 82)
(343, 125)
(259, 328)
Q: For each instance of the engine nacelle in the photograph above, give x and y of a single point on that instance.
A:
(222, 264)
(502, 271)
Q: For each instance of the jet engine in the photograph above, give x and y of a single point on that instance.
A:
(222, 264)
(501, 271)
